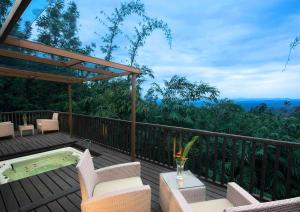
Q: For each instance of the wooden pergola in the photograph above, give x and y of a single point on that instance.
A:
(66, 68)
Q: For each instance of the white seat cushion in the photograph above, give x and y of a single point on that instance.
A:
(116, 185)
(217, 205)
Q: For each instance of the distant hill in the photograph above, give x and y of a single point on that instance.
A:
(276, 104)
(247, 104)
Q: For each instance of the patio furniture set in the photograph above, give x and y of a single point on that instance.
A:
(43, 125)
(120, 188)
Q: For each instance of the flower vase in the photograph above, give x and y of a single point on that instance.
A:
(180, 169)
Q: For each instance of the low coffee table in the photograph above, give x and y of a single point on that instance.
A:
(190, 187)
(26, 128)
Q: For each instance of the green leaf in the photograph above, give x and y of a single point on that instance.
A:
(189, 146)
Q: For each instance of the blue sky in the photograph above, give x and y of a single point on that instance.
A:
(238, 46)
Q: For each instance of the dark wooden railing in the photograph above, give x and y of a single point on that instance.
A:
(17, 116)
(268, 169)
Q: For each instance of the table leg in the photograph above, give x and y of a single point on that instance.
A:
(21, 133)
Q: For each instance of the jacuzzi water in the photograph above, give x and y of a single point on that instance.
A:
(22, 167)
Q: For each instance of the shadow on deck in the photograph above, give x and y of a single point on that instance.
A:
(58, 190)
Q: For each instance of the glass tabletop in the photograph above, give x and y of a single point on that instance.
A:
(189, 180)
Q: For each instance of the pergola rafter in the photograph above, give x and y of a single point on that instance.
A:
(100, 69)
(12, 41)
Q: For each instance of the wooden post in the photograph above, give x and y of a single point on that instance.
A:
(133, 118)
(70, 110)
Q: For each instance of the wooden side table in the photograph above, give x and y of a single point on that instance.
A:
(191, 188)
(26, 128)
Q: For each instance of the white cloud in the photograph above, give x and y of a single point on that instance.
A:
(236, 82)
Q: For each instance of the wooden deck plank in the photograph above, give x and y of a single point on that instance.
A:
(32, 192)
(9, 199)
(55, 207)
(67, 204)
(42, 209)
(43, 189)
(19, 193)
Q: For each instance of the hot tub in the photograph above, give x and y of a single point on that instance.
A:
(22, 167)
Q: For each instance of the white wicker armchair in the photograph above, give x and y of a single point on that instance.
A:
(116, 188)
(7, 129)
(286, 205)
(236, 196)
(44, 125)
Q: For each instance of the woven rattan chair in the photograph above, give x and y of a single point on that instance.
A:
(44, 125)
(7, 129)
(237, 200)
(236, 196)
(286, 205)
(116, 188)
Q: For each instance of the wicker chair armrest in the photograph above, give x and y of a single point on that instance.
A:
(46, 121)
(134, 199)
(178, 203)
(290, 205)
(39, 120)
(238, 196)
(191, 195)
(118, 171)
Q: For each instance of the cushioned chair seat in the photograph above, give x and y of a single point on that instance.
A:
(116, 185)
(217, 205)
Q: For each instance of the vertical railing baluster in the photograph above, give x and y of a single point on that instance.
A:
(276, 167)
(263, 171)
(233, 159)
(252, 167)
(200, 156)
(163, 146)
(288, 174)
(242, 161)
(206, 139)
(224, 145)
(215, 158)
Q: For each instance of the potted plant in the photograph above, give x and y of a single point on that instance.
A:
(181, 157)
(24, 119)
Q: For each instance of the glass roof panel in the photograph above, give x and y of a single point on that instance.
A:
(29, 17)
(34, 53)
(32, 12)
(5, 8)
(44, 68)
(106, 68)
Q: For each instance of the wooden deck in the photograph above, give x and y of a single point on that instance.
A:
(58, 190)
(20, 146)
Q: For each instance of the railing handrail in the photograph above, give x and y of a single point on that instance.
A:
(192, 130)
(203, 132)
(26, 111)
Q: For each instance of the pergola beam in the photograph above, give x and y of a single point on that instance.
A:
(72, 63)
(16, 12)
(11, 72)
(63, 53)
(23, 56)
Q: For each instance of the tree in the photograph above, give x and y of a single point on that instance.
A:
(58, 28)
(177, 97)
(114, 21)
(4, 5)
(293, 45)
(142, 31)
